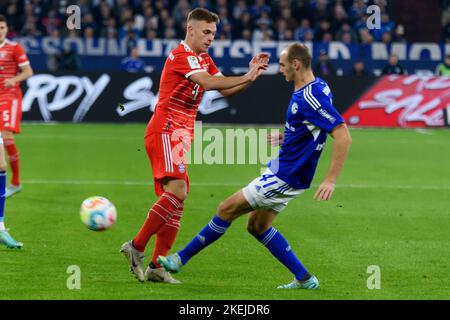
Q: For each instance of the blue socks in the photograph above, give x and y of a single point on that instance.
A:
(272, 239)
(2, 194)
(210, 233)
(279, 247)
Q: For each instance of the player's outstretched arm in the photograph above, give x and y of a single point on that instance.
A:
(341, 146)
(25, 73)
(259, 58)
(208, 82)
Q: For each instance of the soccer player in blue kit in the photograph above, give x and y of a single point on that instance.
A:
(311, 117)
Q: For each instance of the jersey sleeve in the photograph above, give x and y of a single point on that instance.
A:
(20, 57)
(187, 64)
(318, 109)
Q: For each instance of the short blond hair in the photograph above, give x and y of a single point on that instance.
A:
(202, 14)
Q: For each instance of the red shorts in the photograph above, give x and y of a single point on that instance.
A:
(11, 111)
(167, 157)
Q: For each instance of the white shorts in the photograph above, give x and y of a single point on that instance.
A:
(269, 191)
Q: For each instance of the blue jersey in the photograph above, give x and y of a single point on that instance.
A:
(309, 119)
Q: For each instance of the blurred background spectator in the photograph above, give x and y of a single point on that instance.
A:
(68, 60)
(133, 63)
(321, 21)
(443, 68)
(324, 67)
(359, 69)
(265, 19)
(393, 67)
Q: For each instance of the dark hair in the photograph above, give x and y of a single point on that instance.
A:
(201, 14)
(3, 19)
(300, 52)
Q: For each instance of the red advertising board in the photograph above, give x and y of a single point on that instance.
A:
(402, 101)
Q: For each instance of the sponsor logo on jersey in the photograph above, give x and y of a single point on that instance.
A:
(326, 115)
(193, 62)
(288, 126)
(294, 108)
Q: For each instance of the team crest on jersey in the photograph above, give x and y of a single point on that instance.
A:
(294, 108)
(2, 55)
(181, 168)
(193, 62)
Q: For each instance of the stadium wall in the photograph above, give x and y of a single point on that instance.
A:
(131, 97)
(368, 101)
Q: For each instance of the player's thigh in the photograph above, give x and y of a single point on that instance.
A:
(233, 207)
(178, 187)
(260, 220)
(2, 157)
(7, 134)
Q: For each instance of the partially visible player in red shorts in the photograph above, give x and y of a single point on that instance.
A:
(14, 68)
(12, 57)
(187, 73)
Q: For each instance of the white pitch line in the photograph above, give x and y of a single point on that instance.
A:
(424, 131)
(227, 184)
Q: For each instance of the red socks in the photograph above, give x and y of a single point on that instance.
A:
(13, 156)
(166, 237)
(159, 215)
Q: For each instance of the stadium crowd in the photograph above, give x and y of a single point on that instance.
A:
(304, 20)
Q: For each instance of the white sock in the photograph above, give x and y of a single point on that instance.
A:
(2, 226)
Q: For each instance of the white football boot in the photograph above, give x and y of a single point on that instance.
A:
(160, 275)
(135, 259)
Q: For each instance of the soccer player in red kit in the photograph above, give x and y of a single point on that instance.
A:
(14, 68)
(187, 73)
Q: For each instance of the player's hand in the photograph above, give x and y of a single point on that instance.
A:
(9, 83)
(254, 72)
(275, 139)
(261, 59)
(324, 191)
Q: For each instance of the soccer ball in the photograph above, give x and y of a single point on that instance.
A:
(98, 213)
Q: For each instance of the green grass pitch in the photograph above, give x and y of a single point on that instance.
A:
(391, 208)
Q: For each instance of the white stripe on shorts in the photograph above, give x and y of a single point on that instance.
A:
(167, 153)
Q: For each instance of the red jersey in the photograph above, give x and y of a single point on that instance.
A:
(12, 58)
(179, 97)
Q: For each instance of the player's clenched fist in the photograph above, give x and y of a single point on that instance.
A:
(10, 83)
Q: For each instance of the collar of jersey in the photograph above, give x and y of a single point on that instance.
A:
(4, 43)
(312, 82)
(186, 46)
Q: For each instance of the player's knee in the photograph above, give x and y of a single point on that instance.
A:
(3, 167)
(227, 211)
(180, 194)
(178, 189)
